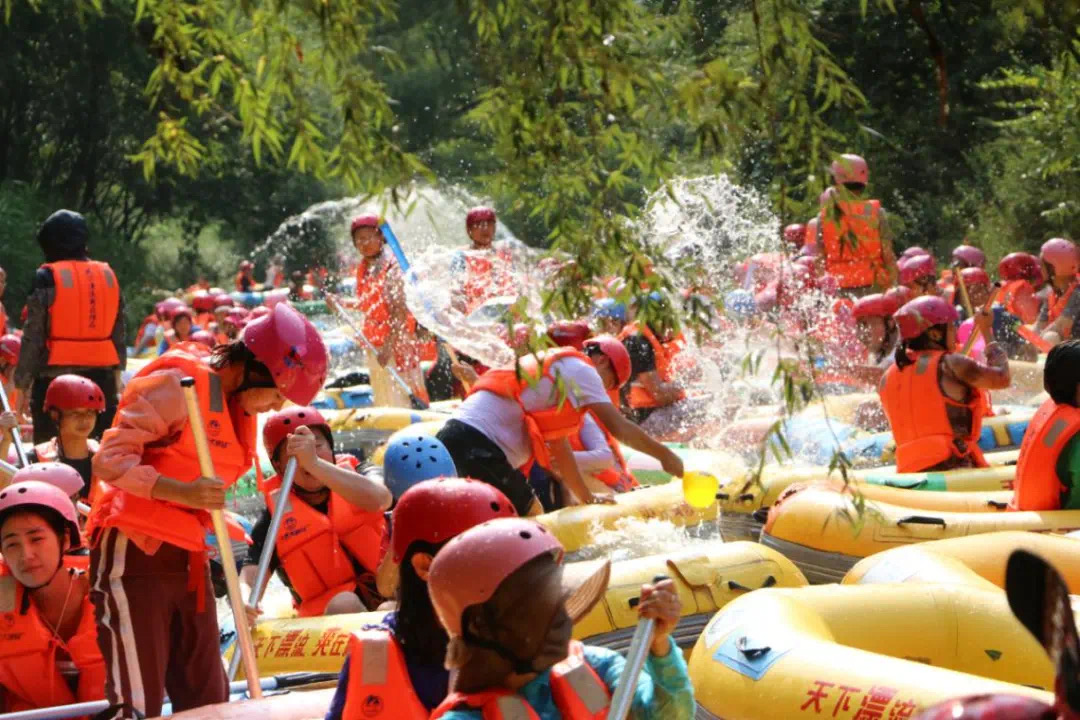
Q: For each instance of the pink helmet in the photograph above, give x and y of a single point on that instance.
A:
(223, 300)
(282, 423)
(916, 268)
(989, 707)
(850, 169)
(57, 474)
(10, 347)
(479, 215)
(74, 392)
(181, 311)
(975, 276)
(969, 256)
(292, 350)
(615, 352)
(168, 306)
(1020, 266)
(912, 251)
(795, 234)
(203, 337)
(420, 513)
(899, 296)
(260, 311)
(202, 301)
(876, 305)
(923, 313)
(237, 316)
(35, 493)
(362, 221)
(1060, 254)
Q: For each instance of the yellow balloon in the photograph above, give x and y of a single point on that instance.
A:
(699, 488)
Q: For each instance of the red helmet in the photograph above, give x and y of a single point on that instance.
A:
(203, 337)
(74, 392)
(899, 296)
(850, 169)
(237, 316)
(569, 333)
(969, 255)
(479, 215)
(57, 474)
(292, 350)
(420, 513)
(795, 234)
(1060, 254)
(223, 300)
(923, 313)
(260, 311)
(10, 346)
(989, 707)
(28, 493)
(247, 265)
(202, 301)
(616, 353)
(362, 221)
(876, 305)
(912, 251)
(975, 276)
(917, 267)
(1020, 266)
(284, 422)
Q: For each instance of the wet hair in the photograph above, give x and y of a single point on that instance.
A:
(52, 518)
(256, 375)
(417, 628)
(1061, 374)
(923, 342)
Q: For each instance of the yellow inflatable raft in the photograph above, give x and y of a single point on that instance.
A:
(820, 530)
(708, 577)
(368, 428)
(879, 651)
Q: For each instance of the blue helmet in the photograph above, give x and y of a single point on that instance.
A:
(609, 308)
(412, 458)
(740, 303)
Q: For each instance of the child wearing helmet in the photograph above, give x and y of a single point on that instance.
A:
(245, 277)
(509, 616)
(330, 539)
(147, 524)
(875, 328)
(484, 270)
(1061, 309)
(918, 273)
(10, 347)
(73, 402)
(409, 642)
(1019, 275)
(50, 654)
(182, 321)
(933, 396)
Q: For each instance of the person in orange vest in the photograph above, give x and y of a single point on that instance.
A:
(1048, 471)
(963, 256)
(10, 347)
(183, 326)
(918, 273)
(609, 316)
(875, 327)
(1019, 275)
(149, 516)
(3, 312)
(653, 345)
(513, 418)
(486, 270)
(202, 302)
(933, 396)
(74, 404)
(330, 541)
(853, 234)
(410, 679)
(388, 324)
(75, 322)
(245, 277)
(509, 614)
(235, 321)
(1058, 314)
(50, 654)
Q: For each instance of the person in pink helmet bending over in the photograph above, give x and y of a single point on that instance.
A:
(1060, 310)
(509, 615)
(148, 521)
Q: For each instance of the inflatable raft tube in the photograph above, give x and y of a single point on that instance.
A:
(356, 396)
(813, 527)
(822, 651)
(708, 577)
(978, 560)
(368, 428)
(288, 706)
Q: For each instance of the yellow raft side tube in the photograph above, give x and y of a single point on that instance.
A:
(707, 577)
(814, 527)
(978, 560)
(882, 651)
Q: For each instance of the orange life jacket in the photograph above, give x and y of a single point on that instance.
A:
(618, 478)
(1055, 304)
(379, 680)
(863, 264)
(316, 550)
(28, 666)
(579, 694)
(487, 275)
(3, 321)
(916, 408)
(231, 440)
(560, 421)
(664, 353)
(371, 300)
(239, 282)
(83, 314)
(1008, 293)
(142, 328)
(1037, 485)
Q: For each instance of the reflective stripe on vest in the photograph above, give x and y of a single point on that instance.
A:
(1037, 485)
(83, 313)
(916, 408)
(378, 684)
(852, 248)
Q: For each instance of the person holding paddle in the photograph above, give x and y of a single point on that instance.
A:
(157, 625)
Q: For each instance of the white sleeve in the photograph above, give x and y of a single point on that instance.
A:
(582, 381)
(596, 456)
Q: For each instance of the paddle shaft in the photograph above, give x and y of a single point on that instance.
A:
(635, 661)
(268, 547)
(221, 530)
(15, 437)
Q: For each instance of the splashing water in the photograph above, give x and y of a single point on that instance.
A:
(634, 537)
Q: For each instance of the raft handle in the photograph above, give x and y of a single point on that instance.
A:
(733, 585)
(921, 520)
(722, 496)
(635, 601)
(750, 652)
(997, 504)
(746, 497)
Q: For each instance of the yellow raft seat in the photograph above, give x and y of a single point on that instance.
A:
(707, 577)
(821, 530)
(876, 651)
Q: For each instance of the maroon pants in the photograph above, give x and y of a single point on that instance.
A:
(151, 634)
